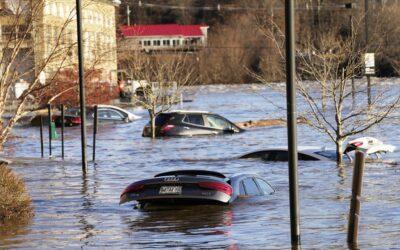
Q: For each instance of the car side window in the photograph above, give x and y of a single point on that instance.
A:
(110, 114)
(264, 186)
(217, 122)
(251, 187)
(196, 119)
(102, 114)
(241, 189)
(304, 157)
(116, 115)
(278, 155)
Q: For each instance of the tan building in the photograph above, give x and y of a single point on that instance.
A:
(54, 37)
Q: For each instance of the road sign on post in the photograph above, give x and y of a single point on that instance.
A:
(369, 62)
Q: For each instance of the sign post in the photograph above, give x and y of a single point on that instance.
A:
(369, 61)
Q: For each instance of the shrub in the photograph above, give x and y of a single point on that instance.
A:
(15, 203)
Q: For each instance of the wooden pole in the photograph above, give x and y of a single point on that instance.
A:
(355, 203)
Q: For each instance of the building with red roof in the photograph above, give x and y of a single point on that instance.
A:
(164, 36)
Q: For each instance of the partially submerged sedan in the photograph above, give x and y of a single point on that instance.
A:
(368, 145)
(105, 113)
(193, 187)
(190, 123)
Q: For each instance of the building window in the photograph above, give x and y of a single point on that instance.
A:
(166, 43)
(176, 43)
(147, 43)
(156, 43)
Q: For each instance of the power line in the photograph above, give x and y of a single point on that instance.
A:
(220, 7)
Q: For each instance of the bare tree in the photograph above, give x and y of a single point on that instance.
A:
(21, 59)
(330, 61)
(161, 78)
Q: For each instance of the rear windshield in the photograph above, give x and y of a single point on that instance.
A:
(331, 154)
(161, 119)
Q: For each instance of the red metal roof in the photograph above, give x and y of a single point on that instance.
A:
(162, 30)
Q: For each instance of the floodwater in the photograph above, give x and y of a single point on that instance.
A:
(74, 210)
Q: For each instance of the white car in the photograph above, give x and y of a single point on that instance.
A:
(368, 145)
(109, 112)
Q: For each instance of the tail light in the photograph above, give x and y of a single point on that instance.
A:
(134, 187)
(218, 186)
(357, 144)
(166, 128)
(76, 119)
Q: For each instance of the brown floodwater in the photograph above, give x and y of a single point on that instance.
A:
(75, 210)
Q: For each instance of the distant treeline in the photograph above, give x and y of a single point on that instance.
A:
(238, 45)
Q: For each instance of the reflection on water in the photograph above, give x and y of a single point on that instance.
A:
(75, 210)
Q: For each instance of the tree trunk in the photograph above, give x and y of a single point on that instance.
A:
(339, 151)
(152, 123)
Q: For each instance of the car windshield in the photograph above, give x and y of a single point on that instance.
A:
(331, 154)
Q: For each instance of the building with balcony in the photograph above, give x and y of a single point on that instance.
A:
(163, 37)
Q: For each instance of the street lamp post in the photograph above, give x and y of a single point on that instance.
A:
(292, 122)
(81, 84)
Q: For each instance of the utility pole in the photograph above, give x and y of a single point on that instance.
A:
(81, 84)
(292, 122)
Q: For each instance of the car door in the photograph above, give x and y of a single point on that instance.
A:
(194, 124)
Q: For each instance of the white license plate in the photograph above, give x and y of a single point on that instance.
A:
(171, 190)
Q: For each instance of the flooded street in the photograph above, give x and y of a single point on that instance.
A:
(75, 210)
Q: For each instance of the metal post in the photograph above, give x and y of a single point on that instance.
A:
(62, 130)
(292, 119)
(355, 203)
(49, 121)
(94, 132)
(81, 84)
(41, 136)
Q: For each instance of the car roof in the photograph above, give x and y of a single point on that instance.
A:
(192, 173)
(189, 112)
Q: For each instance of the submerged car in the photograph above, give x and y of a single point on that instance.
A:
(368, 145)
(106, 113)
(190, 123)
(193, 187)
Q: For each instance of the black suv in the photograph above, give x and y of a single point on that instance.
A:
(190, 123)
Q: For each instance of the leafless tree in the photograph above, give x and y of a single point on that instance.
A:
(161, 78)
(20, 59)
(330, 61)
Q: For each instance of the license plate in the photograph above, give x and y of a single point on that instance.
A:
(171, 190)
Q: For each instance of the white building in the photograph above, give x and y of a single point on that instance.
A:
(164, 37)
